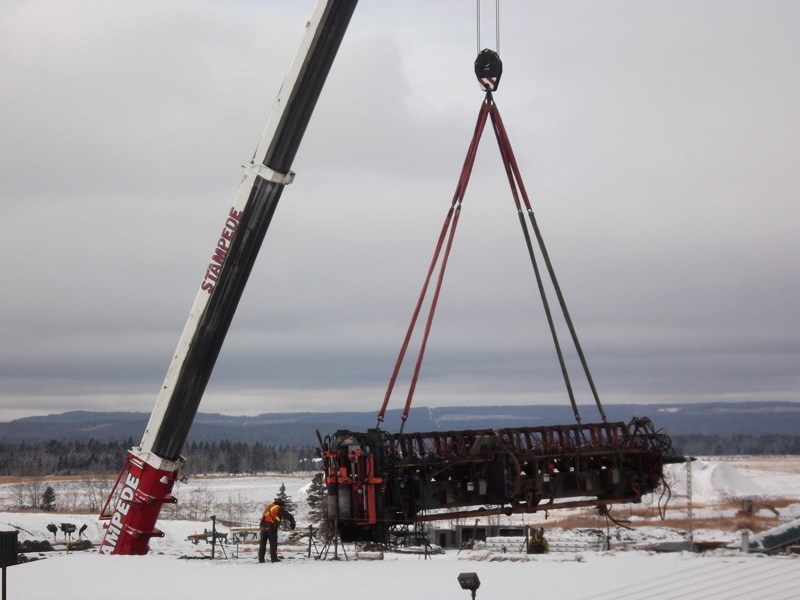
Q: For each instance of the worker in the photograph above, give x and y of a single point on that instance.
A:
(275, 513)
(537, 544)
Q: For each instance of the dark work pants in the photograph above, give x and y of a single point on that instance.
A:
(268, 533)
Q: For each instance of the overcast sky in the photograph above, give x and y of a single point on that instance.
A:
(659, 141)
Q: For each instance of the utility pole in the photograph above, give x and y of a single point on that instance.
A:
(689, 461)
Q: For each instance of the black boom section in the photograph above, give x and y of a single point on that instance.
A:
(256, 217)
(216, 320)
(303, 98)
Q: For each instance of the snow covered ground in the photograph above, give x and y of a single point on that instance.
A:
(177, 568)
(401, 577)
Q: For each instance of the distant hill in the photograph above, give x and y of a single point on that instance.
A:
(747, 418)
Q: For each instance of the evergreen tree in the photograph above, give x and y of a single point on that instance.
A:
(288, 504)
(48, 500)
(315, 497)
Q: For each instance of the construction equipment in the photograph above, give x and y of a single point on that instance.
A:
(379, 483)
(150, 470)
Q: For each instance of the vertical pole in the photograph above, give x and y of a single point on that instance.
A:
(689, 510)
(336, 540)
(213, 535)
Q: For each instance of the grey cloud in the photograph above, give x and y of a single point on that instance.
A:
(658, 143)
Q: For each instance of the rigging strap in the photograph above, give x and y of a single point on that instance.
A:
(489, 110)
(515, 180)
(450, 224)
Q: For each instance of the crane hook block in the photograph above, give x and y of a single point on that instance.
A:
(488, 69)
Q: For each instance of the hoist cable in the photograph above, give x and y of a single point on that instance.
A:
(496, 26)
(478, 21)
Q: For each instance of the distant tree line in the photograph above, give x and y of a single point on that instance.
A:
(726, 445)
(196, 497)
(93, 457)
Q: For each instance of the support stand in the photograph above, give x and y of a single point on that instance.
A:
(214, 538)
(334, 539)
(312, 542)
(471, 543)
(421, 537)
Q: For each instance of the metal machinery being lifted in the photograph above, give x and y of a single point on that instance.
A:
(379, 483)
(376, 481)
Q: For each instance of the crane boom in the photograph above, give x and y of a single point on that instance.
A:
(150, 470)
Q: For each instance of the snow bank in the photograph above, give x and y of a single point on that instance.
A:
(596, 575)
(712, 481)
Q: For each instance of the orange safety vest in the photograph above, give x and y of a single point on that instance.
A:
(272, 513)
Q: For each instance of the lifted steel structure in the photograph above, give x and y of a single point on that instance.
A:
(378, 482)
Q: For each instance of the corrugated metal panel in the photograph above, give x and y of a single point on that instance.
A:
(711, 578)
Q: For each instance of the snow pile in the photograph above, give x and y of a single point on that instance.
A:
(712, 481)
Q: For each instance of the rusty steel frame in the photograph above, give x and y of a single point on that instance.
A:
(376, 480)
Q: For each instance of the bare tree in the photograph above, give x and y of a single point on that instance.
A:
(234, 509)
(95, 493)
(172, 510)
(20, 495)
(200, 503)
(34, 489)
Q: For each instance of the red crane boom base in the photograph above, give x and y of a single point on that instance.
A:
(135, 501)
